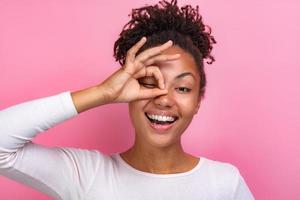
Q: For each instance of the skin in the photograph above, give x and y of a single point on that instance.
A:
(162, 153)
(158, 66)
(122, 86)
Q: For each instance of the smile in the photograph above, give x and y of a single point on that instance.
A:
(161, 122)
(160, 118)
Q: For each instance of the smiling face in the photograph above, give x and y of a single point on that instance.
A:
(160, 122)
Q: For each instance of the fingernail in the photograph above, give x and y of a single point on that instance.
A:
(169, 41)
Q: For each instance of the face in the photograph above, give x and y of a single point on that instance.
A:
(161, 121)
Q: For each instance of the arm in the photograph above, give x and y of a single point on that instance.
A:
(89, 98)
(67, 173)
(46, 169)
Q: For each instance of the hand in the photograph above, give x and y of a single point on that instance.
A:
(123, 85)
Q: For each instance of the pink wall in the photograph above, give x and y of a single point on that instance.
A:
(250, 116)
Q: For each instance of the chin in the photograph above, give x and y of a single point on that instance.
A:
(159, 140)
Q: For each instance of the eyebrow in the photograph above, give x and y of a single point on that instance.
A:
(184, 75)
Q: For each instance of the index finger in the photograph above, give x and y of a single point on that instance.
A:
(134, 49)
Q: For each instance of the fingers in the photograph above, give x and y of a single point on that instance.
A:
(135, 63)
(131, 66)
(148, 93)
(153, 51)
(161, 58)
(134, 49)
(151, 93)
(151, 71)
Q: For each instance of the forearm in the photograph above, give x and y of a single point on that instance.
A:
(48, 169)
(89, 98)
(22, 122)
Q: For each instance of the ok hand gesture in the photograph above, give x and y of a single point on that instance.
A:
(123, 85)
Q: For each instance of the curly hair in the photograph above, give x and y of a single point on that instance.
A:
(166, 21)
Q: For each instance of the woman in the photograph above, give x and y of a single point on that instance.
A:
(161, 51)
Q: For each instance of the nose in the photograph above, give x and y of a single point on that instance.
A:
(164, 101)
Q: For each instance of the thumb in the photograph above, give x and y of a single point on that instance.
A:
(151, 93)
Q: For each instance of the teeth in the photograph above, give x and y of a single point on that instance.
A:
(161, 118)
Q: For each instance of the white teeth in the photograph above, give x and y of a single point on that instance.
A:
(161, 118)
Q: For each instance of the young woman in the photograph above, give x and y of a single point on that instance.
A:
(161, 51)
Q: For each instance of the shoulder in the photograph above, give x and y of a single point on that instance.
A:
(228, 180)
(88, 159)
(222, 176)
(223, 169)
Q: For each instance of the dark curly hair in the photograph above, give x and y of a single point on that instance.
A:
(166, 21)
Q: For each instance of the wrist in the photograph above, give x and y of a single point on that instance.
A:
(88, 98)
(105, 96)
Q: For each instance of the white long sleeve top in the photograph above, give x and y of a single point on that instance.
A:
(81, 174)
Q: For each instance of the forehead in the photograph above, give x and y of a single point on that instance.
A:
(173, 68)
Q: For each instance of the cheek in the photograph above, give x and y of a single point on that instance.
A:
(136, 108)
(188, 106)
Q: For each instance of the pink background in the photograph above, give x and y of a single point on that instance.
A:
(250, 116)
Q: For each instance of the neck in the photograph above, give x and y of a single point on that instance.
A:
(159, 160)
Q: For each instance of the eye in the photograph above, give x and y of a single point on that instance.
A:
(183, 89)
(147, 85)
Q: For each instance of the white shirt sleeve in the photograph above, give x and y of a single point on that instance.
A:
(241, 190)
(57, 171)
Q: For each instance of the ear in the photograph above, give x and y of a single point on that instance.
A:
(198, 105)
